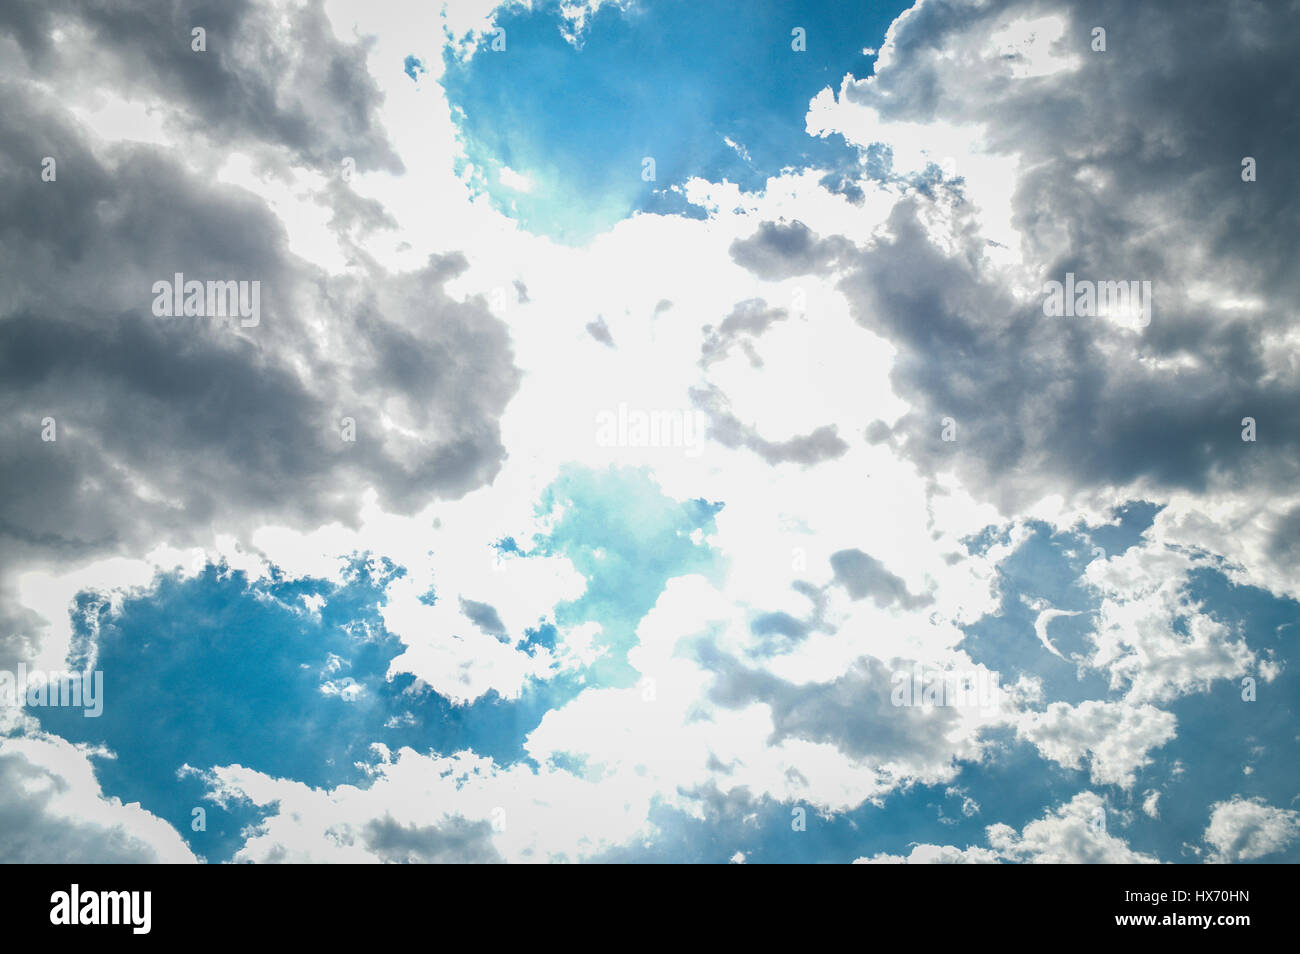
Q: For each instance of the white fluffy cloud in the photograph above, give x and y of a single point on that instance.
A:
(1244, 829)
(1073, 833)
(1115, 738)
(935, 855)
(1155, 642)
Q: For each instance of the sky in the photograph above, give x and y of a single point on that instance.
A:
(640, 433)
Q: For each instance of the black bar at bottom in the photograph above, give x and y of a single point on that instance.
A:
(306, 903)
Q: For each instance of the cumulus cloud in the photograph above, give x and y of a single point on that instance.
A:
(272, 76)
(166, 427)
(1153, 639)
(1096, 179)
(1245, 829)
(1114, 738)
(1073, 833)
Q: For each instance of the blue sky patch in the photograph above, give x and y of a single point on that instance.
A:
(709, 89)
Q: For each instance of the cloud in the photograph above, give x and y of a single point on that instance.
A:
(1073, 833)
(272, 75)
(1114, 737)
(1246, 829)
(55, 812)
(427, 808)
(1099, 180)
(600, 331)
(455, 842)
(815, 447)
(935, 855)
(862, 575)
(704, 725)
(747, 321)
(781, 250)
(166, 427)
(658, 648)
(1153, 639)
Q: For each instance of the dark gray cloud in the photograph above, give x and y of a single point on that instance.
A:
(1284, 538)
(747, 321)
(272, 77)
(35, 836)
(862, 575)
(456, 841)
(854, 712)
(600, 331)
(821, 444)
(780, 250)
(1132, 171)
(353, 214)
(485, 617)
(169, 428)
